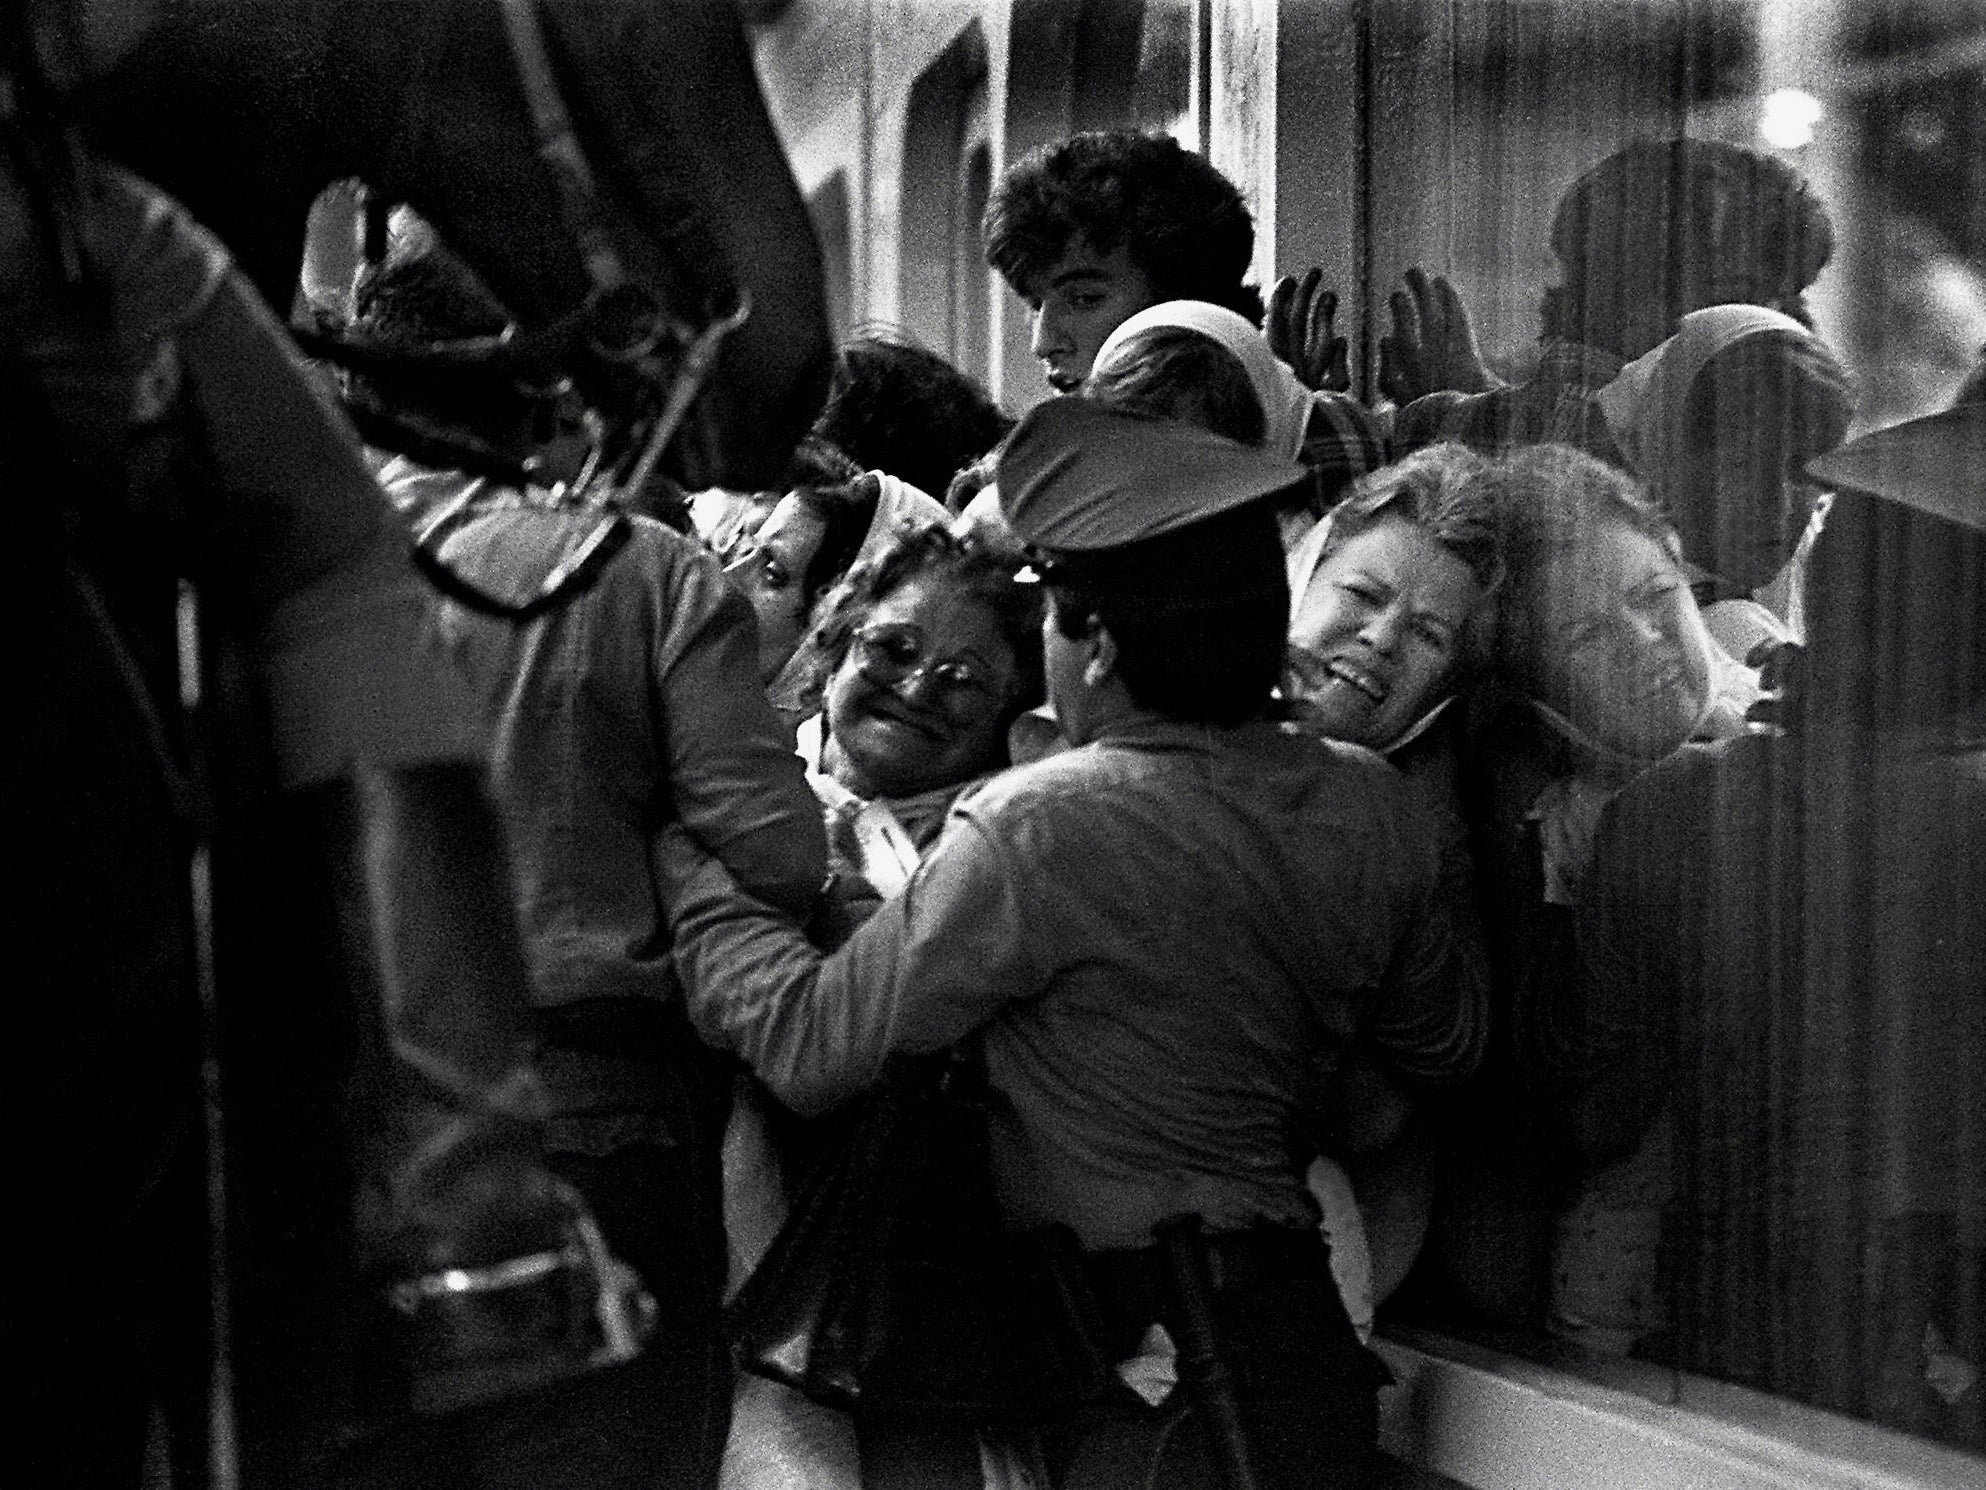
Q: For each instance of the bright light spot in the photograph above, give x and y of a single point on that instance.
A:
(1787, 121)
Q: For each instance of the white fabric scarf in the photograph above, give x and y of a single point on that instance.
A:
(900, 508)
(1285, 401)
(1645, 404)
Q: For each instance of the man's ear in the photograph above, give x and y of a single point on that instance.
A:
(1101, 665)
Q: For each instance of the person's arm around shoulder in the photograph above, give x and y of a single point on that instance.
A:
(934, 963)
(732, 775)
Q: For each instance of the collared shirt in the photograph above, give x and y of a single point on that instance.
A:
(1342, 441)
(1169, 939)
(874, 844)
(632, 705)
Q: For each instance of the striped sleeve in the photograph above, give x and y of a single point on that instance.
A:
(1342, 441)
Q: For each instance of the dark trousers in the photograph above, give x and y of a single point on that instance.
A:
(1307, 1390)
(99, 1330)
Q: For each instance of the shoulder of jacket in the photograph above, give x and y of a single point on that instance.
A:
(1069, 775)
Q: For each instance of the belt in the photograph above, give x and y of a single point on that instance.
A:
(1132, 1281)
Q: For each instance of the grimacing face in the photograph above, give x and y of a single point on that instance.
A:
(1378, 632)
(920, 699)
(1621, 647)
(1077, 302)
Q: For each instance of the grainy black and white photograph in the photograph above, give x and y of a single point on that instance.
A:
(994, 744)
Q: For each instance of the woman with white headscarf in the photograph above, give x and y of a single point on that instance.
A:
(809, 540)
(1720, 420)
(1387, 597)
(1187, 359)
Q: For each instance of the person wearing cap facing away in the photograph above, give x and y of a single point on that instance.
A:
(1784, 938)
(1166, 943)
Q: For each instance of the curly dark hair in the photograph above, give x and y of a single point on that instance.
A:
(1677, 213)
(962, 565)
(1184, 223)
(895, 406)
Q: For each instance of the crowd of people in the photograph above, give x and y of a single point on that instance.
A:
(1336, 855)
(1596, 626)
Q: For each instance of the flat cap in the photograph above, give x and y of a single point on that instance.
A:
(1935, 465)
(1077, 476)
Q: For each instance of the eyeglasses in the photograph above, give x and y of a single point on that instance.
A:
(892, 654)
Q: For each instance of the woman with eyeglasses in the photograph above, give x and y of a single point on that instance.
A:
(921, 658)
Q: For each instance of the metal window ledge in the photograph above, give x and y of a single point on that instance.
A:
(1492, 1420)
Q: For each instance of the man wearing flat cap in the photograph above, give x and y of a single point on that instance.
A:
(1784, 945)
(1167, 943)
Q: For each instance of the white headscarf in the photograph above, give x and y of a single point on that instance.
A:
(1285, 401)
(900, 508)
(1645, 406)
(1301, 565)
(1301, 562)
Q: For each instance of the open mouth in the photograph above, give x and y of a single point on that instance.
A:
(1374, 687)
(1063, 382)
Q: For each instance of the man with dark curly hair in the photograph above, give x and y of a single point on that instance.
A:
(1092, 229)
